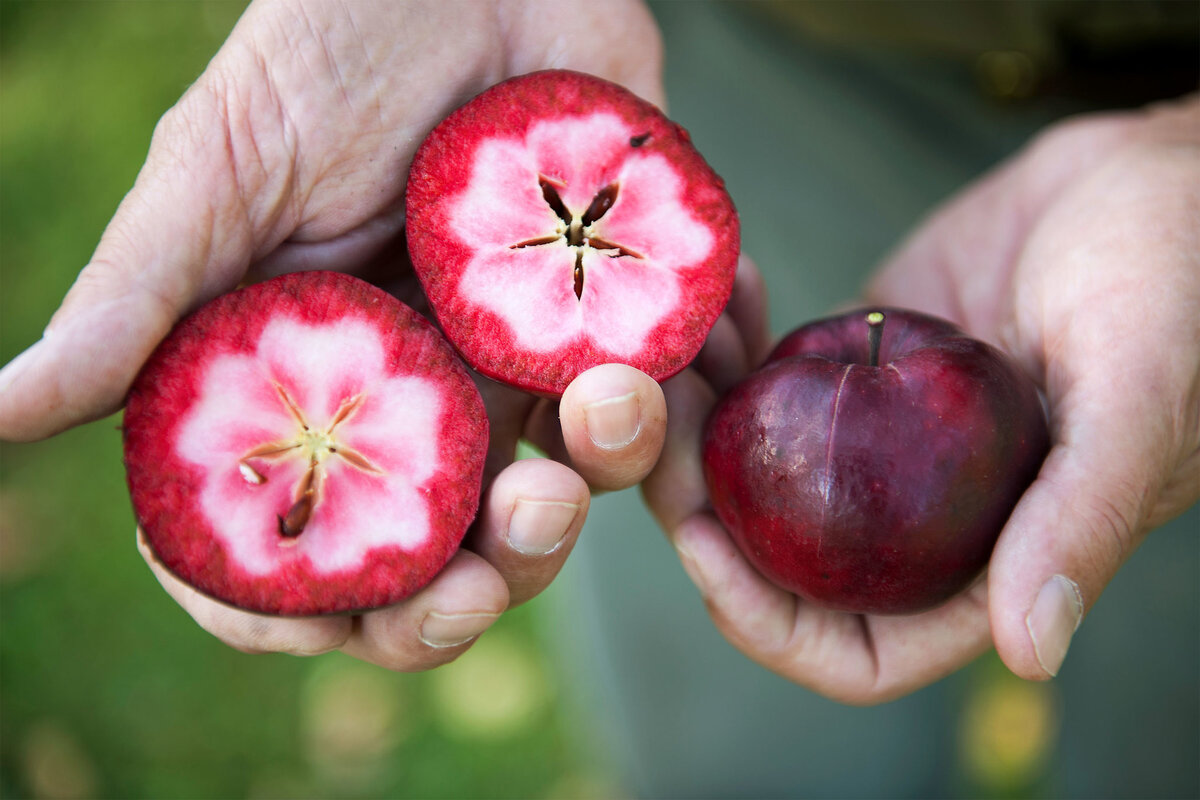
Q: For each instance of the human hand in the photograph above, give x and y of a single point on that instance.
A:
(1080, 257)
(290, 153)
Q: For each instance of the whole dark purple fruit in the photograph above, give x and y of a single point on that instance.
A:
(870, 465)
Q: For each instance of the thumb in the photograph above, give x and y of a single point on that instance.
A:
(1086, 513)
(614, 420)
(1120, 338)
(182, 235)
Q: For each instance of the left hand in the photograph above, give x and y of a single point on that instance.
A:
(291, 152)
(1081, 257)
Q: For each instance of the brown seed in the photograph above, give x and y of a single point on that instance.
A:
(601, 203)
(292, 524)
(536, 242)
(552, 198)
(604, 244)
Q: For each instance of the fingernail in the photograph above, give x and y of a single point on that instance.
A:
(538, 527)
(1053, 620)
(451, 630)
(614, 422)
(19, 364)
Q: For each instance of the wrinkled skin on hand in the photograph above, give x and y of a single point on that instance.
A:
(1080, 256)
(291, 152)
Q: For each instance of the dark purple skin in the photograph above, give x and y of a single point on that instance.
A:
(874, 489)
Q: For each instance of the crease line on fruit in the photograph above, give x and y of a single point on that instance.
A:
(826, 479)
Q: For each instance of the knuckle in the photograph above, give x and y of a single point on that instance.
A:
(1088, 132)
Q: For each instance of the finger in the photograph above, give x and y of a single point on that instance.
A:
(181, 236)
(756, 616)
(723, 360)
(507, 410)
(851, 658)
(914, 651)
(748, 310)
(247, 631)
(1073, 529)
(543, 429)
(613, 419)
(438, 623)
(675, 489)
(531, 517)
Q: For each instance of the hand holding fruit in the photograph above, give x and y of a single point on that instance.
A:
(1079, 258)
(290, 153)
(871, 463)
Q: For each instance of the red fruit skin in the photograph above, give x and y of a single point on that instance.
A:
(874, 489)
(441, 170)
(164, 487)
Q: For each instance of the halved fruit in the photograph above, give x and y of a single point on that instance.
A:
(307, 445)
(557, 222)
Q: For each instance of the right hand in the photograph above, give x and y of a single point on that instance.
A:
(1079, 256)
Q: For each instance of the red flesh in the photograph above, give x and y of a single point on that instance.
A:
(271, 492)
(601, 140)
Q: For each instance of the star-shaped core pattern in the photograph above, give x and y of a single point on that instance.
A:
(578, 232)
(312, 445)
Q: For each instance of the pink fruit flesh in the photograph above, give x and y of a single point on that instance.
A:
(558, 222)
(874, 489)
(303, 446)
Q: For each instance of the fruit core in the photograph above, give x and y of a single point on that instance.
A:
(312, 446)
(580, 231)
(588, 230)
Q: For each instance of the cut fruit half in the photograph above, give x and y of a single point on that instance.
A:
(307, 445)
(558, 222)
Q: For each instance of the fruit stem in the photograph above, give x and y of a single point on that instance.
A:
(874, 336)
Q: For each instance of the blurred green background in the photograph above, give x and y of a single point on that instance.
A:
(107, 689)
